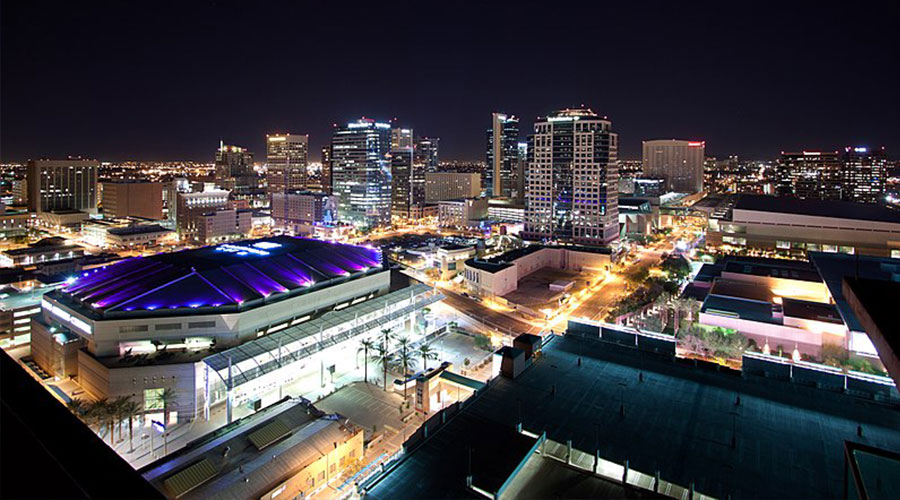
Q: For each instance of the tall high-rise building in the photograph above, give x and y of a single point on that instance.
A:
(324, 180)
(521, 172)
(427, 152)
(287, 157)
(863, 171)
(361, 172)
(401, 181)
(572, 185)
(809, 175)
(69, 184)
(234, 169)
(402, 138)
(502, 156)
(680, 163)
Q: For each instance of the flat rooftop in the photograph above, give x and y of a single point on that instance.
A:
(505, 260)
(291, 435)
(680, 420)
(438, 468)
(818, 208)
(739, 307)
(144, 229)
(225, 277)
(815, 311)
(833, 267)
(775, 268)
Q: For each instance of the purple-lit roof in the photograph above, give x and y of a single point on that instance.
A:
(223, 275)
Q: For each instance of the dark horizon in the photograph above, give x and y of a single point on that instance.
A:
(163, 82)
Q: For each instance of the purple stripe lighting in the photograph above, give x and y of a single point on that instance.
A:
(207, 277)
(258, 281)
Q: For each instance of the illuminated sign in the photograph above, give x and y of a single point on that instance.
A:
(242, 250)
(696, 144)
(277, 138)
(861, 150)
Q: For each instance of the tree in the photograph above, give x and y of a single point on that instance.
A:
(117, 413)
(427, 353)
(78, 407)
(406, 362)
(637, 275)
(167, 397)
(366, 345)
(382, 357)
(130, 409)
(387, 335)
(97, 415)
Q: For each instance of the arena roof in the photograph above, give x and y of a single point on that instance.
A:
(229, 276)
(818, 208)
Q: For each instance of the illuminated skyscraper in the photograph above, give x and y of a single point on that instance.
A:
(863, 171)
(324, 181)
(402, 138)
(287, 156)
(234, 168)
(401, 181)
(427, 152)
(572, 185)
(680, 163)
(361, 172)
(502, 155)
(809, 175)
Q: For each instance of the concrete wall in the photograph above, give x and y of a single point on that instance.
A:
(104, 382)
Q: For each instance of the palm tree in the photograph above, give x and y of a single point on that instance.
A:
(406, 362)
(383, 357)
(115, 413)
(387, 335)
(167, 398)
(365, 345)
(404, 344)
(98, 414)
(427, 353)
(78, 407)
(130, 409)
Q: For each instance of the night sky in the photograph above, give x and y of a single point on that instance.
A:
(165, 81)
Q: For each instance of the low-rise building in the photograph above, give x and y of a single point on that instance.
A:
(16, 223)
(500, 275)
(449, 260)
(792, 226)
(289, 450)
(462, 213)
(505, 210)
(297, 212)
(46, 250)
(790, 305)
(222, 225)
(64, 219)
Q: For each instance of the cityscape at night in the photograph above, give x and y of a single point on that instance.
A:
(504, 250)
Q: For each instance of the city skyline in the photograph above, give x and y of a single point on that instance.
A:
(720, 89)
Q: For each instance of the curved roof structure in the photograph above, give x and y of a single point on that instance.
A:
(231, 274)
